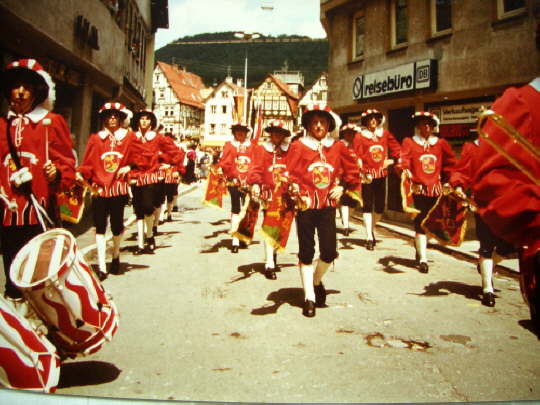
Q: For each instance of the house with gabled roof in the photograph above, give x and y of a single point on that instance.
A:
(317, 93)
(178, 100)
(275, 100)
(223, 106)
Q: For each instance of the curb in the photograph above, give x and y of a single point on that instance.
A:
(132, 219)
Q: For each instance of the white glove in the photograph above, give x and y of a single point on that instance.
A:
(123, 171)
(460, 192)
(164, 166)
(388, 162)
(336, 192)
(294, 189)
(21, 176)
(255, 190)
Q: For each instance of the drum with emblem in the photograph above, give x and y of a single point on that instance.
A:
(28, 360)
(65, 293)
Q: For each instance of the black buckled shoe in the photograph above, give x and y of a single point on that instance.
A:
(370, 244)
(320, 295)
(102, 275)
(150, 245)
(243, 245)
(234, 249)
(488, 299)
(309, 309)
(115, 266)
(424, 268)
(269, 273)
(138, 251)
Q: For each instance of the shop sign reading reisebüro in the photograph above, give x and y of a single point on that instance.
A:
(411, 76)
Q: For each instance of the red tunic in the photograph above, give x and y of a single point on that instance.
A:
(236, 159)
(154, 149)
(464, 170)
(267, 163)
(429, 161)
(508, 201)
(174, 156)
(315, 166)
(104, 155)
(376, 147)
(32, 149)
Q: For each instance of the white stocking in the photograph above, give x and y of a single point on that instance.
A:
(344, 211)
(140, 233)
(486, 270)
(101, 247)
(368, 224)
(269, 255)
(420, 241)
(306, 275)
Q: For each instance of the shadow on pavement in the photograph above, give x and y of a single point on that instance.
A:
(220, 222)
(473, 292)
(82, 373)
(227, 244)
(388, 263)
(529, 325)
(351, 243)
(292, 296)
(215, 234)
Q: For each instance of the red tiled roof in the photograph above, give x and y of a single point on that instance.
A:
(186, 85)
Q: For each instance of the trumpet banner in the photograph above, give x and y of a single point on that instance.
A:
(216, 188)
(278, 219)
(248, 220)
(407, 200)
(71, 203)
(447, 221)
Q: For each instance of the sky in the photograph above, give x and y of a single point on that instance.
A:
(191, 17)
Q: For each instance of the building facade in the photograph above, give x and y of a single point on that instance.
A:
(273, 99)
(317, 93)
(450, 57)
(95, 51)
(178, 101)
(221, 110)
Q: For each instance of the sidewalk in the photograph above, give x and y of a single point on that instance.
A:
(468, 250)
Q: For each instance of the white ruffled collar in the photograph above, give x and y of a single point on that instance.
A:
(477, 141)
(149, 135)
(119, 134)
(432, 140)
(536, 84)
(36, 115)
(366, 133)
(313, 143)
(237, 144)
(269, 146)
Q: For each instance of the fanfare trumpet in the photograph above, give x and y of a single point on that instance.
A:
(517, 138)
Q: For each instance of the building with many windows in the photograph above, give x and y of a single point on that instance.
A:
(317, 93)
(223, 106)
(95, 51)
(450, 57)
(178, 101)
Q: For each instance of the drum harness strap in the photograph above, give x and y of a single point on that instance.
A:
(25, 187)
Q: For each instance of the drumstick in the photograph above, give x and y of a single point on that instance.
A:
(46, 123)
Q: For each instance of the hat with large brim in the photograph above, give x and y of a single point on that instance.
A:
(241, 125)
(347, 127)
(119, 108)
(366, 115)
(277, 125)
(311, 110)
(426, 115)
(137, 116)
(30, 71)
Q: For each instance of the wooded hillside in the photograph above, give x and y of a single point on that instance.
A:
(212, 61)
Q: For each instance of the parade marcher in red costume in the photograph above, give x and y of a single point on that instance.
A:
(348, 134)
(377, 145)
(268, 166)
(107, 161)
(320, 169)
(508, 196)
(36, 155)
(461, 181)
(172, 176)
(144, 179)
(427, 160)
(234, 163)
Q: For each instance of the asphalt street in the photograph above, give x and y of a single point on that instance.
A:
(198, 323)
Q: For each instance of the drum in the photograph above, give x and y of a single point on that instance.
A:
(27, 359)
(65, 293)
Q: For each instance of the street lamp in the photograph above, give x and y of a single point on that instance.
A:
(247, 36)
